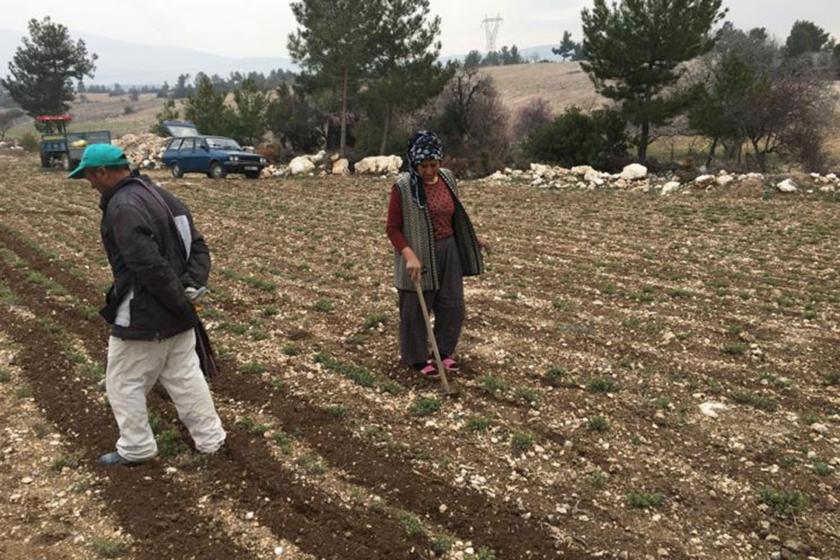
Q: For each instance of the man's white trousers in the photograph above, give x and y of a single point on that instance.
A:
(134, 366)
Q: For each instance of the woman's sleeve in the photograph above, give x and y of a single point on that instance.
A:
(394, 224)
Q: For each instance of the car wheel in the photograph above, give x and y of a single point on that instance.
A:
(176, 171)
(216, 171)
(252, 174)
(45, 160)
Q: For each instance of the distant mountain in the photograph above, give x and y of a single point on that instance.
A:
(134, 64)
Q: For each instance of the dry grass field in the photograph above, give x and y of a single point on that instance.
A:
(607, 323)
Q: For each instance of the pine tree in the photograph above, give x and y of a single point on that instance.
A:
(42, 71)
(335, 46)
(250, 117)
(567, 47)
(636, 52)
(206, 108)
(806, 37)
(406, 73)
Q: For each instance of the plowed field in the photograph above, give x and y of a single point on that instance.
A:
(604, 322)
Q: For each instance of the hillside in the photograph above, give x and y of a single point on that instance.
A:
(562, 84)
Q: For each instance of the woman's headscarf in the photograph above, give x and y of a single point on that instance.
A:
(423, 146)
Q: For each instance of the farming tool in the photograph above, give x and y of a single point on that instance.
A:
(448, 390)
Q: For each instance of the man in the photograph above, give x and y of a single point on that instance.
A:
(155, 254)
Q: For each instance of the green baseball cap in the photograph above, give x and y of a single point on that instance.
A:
(99, 155)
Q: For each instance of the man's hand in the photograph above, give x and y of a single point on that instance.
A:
(412, 265)
(483, 244)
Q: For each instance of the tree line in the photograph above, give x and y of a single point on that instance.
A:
(370, 74)
(677, 67)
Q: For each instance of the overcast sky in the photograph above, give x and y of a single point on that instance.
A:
(261, 27)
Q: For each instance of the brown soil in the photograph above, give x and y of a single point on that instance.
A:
(720, 297)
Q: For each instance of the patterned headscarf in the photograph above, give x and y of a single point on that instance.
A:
(423, 146)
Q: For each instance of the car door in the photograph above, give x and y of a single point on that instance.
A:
(202, 155)
(172, 153)
(187, 155)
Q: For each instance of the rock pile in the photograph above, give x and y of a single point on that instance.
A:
(143, 150)
(322, 165)
(635, 177)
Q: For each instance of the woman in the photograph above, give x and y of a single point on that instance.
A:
(435, 245)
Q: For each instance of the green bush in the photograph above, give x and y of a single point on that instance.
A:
(574, 138)
(29, 142)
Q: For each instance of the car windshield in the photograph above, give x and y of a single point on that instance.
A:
(223, 144)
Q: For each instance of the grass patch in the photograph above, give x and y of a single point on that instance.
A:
(558, 377)
(70, 461)
(108, 548)
(291, 349)
(492, 385)
(527, 395)
(412, 525)
(5, 376)
(252, 368)
(259, 283)
(283, 441)
(311, 463)
(324, 305)
(391, 387)
(425, 406)
(336, 410)
(373, 321)
(170, 444)
(23, 392)
(521, 442)
(269, 311)
(822, 468)
(833, 378)
(784, 502)
(441, 545)
(478, 423)
(483, 553)
(598, 424)
(735, 348)
(645, 500)
(602, 385)
(755, 400)
(598, 478)
(358, 375)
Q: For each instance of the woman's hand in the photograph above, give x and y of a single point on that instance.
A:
(483, 244)
(412, 265)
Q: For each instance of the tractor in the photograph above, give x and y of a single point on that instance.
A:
(62, 147)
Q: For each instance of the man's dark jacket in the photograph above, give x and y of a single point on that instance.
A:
(150, 267)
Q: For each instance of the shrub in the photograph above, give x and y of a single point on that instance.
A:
(575, 138)
(521, 442)
(425, 406)
(29, 142)
(533, 116)
(645, 500)
(784, 502)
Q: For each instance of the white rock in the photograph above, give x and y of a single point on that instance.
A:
(634, 171)
(704, 179)
(582, 170)
(787, 186)
(341, 167)
(249, 516)
(819, 428)
(379, 165)
(724, 180)
(279, 550)
(711, 409)
(300, 165)
(670, 187)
